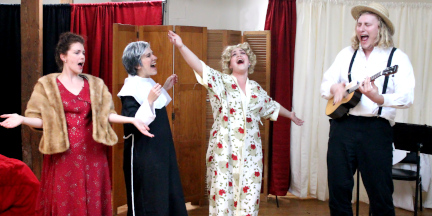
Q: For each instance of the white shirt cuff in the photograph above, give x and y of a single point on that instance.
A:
(202, 80)
(146, 113)
(275, 114)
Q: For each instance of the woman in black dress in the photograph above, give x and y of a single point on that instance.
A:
(150, 166)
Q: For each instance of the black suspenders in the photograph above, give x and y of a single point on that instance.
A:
(351, 63)
(386, 78)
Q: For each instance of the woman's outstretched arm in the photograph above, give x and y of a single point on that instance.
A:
(291, 115)
(143, 128)
(15, 120)
(190, 58)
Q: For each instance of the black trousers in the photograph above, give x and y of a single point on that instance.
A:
(364, 143)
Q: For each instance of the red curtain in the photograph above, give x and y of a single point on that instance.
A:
(281, 21)
(95, 23)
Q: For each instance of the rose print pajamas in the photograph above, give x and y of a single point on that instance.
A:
(234, 155)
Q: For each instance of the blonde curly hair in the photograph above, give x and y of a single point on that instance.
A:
(384, 39)
(226, 57)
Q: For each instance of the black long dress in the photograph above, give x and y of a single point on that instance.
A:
(157, 186)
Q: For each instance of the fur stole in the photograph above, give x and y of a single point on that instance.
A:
(45, 103)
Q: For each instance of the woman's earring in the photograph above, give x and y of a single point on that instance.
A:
(65, 61)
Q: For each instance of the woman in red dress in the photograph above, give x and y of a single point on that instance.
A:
(74, 112)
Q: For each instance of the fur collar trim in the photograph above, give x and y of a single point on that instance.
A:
(46, 104)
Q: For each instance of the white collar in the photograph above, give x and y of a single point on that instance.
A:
(139, 88)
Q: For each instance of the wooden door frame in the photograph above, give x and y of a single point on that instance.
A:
(179, 64)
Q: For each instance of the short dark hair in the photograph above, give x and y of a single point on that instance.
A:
(65, 41)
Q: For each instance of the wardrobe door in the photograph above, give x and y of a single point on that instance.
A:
(260, 42)
(122, 36)
(189, 116)
(163, 50)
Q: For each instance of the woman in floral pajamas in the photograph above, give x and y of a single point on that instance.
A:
(234, 156)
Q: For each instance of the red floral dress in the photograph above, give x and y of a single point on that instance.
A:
(76, 182)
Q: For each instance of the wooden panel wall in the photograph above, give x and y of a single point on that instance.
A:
(163, 50)
(189, 123)
(260, 42)
(122, 36)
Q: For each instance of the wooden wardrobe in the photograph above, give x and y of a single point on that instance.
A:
(186, 112)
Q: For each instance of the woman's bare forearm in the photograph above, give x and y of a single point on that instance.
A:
(115, 118)
(33, 122)
(284, 112)
(191, 59)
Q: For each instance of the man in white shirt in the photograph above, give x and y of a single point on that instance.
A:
(362, 139)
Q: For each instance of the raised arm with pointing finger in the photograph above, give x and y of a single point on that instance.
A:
(192, 60)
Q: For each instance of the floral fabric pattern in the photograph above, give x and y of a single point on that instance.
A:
(234, 155)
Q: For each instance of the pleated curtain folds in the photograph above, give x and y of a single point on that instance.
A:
(95, 23)
(281, 21)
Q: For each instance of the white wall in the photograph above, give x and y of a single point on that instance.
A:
(243, 15)
(252, 15)
(209, 13)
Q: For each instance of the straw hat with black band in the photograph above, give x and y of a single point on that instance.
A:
(375, 8)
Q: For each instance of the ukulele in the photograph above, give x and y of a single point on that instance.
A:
(352, 96)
